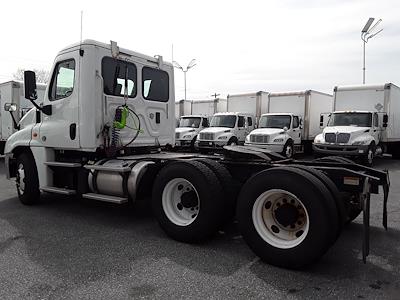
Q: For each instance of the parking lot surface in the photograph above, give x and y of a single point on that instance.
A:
(66, 248)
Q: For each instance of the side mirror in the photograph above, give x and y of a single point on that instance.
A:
(385, 120)
(321, 121)
(30, 85)
(10, 107)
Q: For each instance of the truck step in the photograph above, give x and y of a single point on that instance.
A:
(105, 198)
(56, 190)
(62, 164)
(109, 168)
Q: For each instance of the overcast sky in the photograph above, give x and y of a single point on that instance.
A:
(240, 46)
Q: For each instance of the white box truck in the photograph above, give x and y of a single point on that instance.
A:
(251, 103)
(95, 140)
(292, 123)
(188, 129)
(12, 92)
(209, 107)
(365, 122)
(182, 108)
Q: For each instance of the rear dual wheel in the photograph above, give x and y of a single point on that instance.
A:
(287, 216)
(188, 201)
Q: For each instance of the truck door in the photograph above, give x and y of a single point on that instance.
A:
(295, 133)
(241, 128)
(60, 130)
(377, 130)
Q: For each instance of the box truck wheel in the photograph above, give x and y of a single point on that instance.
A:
(27, 180)
(233, 141)
(288, 149)
(368, 159)
(283, 223)
(187, 201)
(230, 188)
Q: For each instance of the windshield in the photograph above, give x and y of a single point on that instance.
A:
(190, 122)
(351, 119)
(223, 121)
(275, 121)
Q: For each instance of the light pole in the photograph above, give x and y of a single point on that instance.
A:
(189, 66)
(366, 34)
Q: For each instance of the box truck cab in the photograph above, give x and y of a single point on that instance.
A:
(279, 133)
(188, 129)
(226, 129)
(364, 124)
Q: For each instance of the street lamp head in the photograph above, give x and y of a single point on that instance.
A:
(176, 65)
(367, 25)
(191, 64)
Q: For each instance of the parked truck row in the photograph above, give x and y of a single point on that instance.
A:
(97, 134)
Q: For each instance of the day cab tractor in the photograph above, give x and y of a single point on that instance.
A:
(106, 116)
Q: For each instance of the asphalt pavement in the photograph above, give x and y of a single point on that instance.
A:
(68, 248)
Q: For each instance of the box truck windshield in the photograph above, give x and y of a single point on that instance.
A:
(193, 122)
(351, 119)
(223, 121)
(275, 121)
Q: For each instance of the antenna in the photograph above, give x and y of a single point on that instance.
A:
(81, 24)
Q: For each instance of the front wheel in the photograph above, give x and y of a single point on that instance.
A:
(233, 141)
(369, 157)
(288, 150)
(27, 180)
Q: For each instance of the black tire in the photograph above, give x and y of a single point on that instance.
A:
(368, 159)
(229, 186)
(337, 196)
(208, 219)
(288, 144)
(315, 198)
(192, 143)
(233, 141)
(29, 192)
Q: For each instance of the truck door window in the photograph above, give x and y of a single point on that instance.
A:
(249, 121)
(296, 122)
(155, 84)
(114, 72)
(241, 121)
(62, 81)
(205, 122)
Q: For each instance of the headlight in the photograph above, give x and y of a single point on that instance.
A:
(188, 136)
(278, 140)
(360, 142)
(319, 139)
(247, 138)
(223, 137)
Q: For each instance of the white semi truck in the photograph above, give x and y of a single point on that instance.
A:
(292, 122)
(232, 127)
(98, 132)
(12, 92)
(365, 123)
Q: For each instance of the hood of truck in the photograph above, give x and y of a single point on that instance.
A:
(186, 130)
(268, 131)
(216, 129)
(353, 130)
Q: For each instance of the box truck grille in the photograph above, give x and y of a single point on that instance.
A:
(206, 136)
(337, 138)
(259, 138)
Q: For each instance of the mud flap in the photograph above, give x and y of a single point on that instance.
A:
(386, 186)
(366, 214)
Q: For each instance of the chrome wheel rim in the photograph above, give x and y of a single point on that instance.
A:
(289, 151)
(280, 218)
(180, 202)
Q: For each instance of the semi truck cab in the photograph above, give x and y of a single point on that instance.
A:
(279, 133)
(352, 133)
(226, 129)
